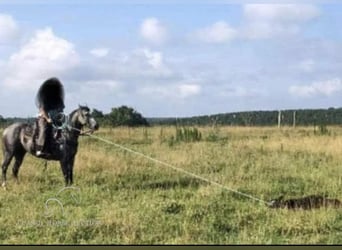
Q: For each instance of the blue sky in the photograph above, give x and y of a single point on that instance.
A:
(172, 59)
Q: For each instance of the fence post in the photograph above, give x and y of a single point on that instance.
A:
(279, 118)
(294, 118)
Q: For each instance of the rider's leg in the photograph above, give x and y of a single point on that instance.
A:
(41, 136)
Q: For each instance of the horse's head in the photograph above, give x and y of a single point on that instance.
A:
(84, 118)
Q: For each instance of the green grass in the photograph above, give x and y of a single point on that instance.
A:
(123, 198)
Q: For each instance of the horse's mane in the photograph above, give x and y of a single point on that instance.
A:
(79, 108)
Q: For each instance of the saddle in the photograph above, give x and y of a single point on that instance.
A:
(54, 138)
(28, 132)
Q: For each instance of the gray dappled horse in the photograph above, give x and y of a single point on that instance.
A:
(17, 140)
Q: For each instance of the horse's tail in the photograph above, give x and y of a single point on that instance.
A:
(3, 142)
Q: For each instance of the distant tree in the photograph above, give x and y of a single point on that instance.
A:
(2, 121)
(126, 116)
(97, 114)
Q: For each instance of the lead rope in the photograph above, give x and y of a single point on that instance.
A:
(174, 167)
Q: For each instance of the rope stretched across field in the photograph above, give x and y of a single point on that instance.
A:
(175, 168)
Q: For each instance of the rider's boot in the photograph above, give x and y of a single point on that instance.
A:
(39, 151)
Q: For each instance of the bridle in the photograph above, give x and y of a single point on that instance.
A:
(59, 120)
(86, 132)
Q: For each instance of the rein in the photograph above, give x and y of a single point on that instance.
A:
(178, 169)
(86, 132)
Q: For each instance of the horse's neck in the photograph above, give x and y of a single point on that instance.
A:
(74, 126)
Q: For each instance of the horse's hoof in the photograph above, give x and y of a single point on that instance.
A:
(4, 186)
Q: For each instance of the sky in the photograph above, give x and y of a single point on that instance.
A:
(172, 59)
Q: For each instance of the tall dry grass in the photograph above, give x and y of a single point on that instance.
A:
(127, 199)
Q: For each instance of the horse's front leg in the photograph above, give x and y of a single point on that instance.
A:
(67, 166)
(64, 171)
(19, 156)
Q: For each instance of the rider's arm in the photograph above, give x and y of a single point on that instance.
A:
(43, 113)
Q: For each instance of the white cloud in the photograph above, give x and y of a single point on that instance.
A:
(260, 21)
(8, 29)
(95, 93)
(307, 65)
(137, 66)
(218, 32)
(153, 31)
(155, 91)
(186, 90)
(240, 92)
(266, 30)
(43, 56)
(173, 91)
(265, 21)
(110, 84)
(325, 88)
(143, 63)
(154, 58)
(280, 12)
(99, 52)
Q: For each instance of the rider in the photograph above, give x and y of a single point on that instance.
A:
(49, 100)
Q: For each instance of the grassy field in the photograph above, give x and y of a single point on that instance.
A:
(122, 198)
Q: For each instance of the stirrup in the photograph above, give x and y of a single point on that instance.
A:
(40, 153)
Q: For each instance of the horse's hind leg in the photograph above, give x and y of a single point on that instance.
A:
(19, 156)
(7, 160)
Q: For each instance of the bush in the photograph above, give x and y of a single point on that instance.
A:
(125, 116)
(188, 134)
(322, 130)
(185, 134)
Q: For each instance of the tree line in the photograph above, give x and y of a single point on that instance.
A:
(127, 116)
(302, 117)
(119, 116)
